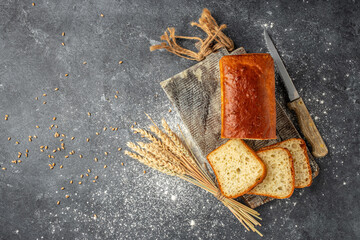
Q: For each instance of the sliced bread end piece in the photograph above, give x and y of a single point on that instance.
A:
(237, 168)
(297, 148)
(280, 178)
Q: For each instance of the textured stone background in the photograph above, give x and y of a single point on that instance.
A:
(318, 43)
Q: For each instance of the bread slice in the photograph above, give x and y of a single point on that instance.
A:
(280, 178)
(237, 168)
(297, 148)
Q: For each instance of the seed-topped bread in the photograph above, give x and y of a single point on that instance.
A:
(297, 148)
(280, 177)
(237, 168)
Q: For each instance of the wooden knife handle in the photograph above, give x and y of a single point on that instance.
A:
(308, 128)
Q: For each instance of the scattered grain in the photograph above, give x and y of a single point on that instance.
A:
(88, 139)
(9, 138)
(67, 196)
(89, 113)
(105, 166)
(44, 102)
(44, 95)
(63, 34)
(89, 171)
(106, 153)
(120, 62)
(56, 89)
(96, 177)
(95, 159)
(54, 118)
(80, 183)
(82, 175)
(58, 203)
(61, 166)
(84, 63)
(101, 15)
(62, 188)
(80, 156)
(71, 181)
(63, 43)
(37, 126)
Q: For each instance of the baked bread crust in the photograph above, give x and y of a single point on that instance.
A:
(292, 174)
(303, 146)
(250, 187)
(248, 108)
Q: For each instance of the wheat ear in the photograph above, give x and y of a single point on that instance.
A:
(163, 155)
(177, 141)
(155, 162)
(149, 136)
(146, 162)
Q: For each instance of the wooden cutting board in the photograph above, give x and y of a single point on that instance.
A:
(196, 94)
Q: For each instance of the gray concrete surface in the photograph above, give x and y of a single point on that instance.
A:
(319, 45)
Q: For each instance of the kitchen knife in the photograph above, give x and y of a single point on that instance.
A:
(296, 104)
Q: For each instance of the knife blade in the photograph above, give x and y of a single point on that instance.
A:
(296, 104)
(289, 85)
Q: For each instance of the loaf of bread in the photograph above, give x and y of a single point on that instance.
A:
(297, 148)
(237, 168)
(248, 96)
(280, 178)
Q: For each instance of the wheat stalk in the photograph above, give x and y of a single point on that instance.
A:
(167, 153)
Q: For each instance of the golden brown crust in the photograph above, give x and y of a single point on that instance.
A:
(248, 96)
(252, 186)
(303, 146)
(292, 174)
